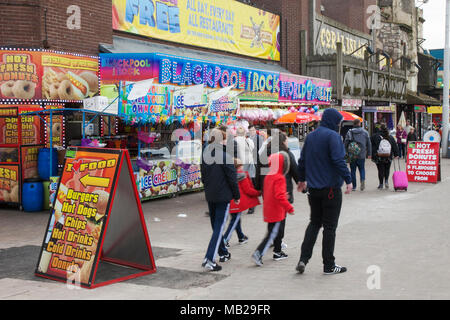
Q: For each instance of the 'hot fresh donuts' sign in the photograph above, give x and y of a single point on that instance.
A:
(37, 75)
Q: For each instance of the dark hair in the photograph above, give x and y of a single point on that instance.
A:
(384, 131)
(356, 123)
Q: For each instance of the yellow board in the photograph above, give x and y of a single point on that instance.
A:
(222, 25)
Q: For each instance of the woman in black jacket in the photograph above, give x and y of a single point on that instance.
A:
(278, 143)
(383, 162)
(219, 178)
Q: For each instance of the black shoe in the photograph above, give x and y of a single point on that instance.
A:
(334, 270)
(243, 240)
(277, 256)
(225, 258)
(301, 267)
(251, 211)
(211, 266)
(380, 187)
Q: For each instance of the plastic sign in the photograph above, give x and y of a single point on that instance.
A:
(423, 162)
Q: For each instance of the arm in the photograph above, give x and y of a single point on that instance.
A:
(231, 177)
(293, 170)
(369, 145)
(247, 188)
(337, 155)
(394, 147)
(301, 163)
(280, 195)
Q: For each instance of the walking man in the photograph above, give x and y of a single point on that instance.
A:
(361, 137)
(323, 169)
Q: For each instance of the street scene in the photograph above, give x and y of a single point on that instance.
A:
(234, 151)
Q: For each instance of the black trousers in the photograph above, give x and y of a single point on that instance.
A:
(384, 169)
(275, 234)
(325, 210)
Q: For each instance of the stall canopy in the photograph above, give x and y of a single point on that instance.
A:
(126, 45)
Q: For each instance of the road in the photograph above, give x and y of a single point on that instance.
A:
(394, 244)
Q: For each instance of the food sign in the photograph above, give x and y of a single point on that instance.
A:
(423, 162)
(160, 180)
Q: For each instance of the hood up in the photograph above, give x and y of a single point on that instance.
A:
(331, 119)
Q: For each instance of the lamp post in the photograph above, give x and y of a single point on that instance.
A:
(445, 95)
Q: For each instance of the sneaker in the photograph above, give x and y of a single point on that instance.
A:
(211, 266)
(334, 270)
(257, 258)
(225, 258)
(363, 185)
(243, 240)
(277, 256)
(353, 189)
(380, 187)
(251, 211)
(300, 267)
(227, 244)
(386, 185)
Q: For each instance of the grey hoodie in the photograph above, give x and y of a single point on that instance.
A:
(362, 137)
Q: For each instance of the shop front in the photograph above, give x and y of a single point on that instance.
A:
(32, 80)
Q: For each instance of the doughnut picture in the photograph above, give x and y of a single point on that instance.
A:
(23, 89)
(6, 89)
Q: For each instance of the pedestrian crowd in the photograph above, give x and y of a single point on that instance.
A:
(254, 167)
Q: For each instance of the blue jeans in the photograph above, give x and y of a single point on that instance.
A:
(218, 213)
(235, 224)
(360, 164)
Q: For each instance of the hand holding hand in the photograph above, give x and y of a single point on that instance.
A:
(301, 186)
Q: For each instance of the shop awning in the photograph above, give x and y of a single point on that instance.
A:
(420, 99)
(127, 45)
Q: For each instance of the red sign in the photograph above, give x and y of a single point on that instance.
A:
(423, 162)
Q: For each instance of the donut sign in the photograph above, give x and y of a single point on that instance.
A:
(47, 75)
(96, 218)
(423, 162)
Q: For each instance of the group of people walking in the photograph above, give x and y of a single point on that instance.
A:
(236, 172)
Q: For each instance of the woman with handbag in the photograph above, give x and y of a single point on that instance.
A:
(401, 136)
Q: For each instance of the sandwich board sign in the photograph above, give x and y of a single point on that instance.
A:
(96, 234)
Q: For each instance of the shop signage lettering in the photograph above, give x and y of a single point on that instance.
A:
(158, 179)
(155, 14)
(304, 89)
(186, 73)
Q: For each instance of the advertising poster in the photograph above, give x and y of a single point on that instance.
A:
(160, 180)
(9, 183)
(156, 102)
(57, 129)
(423, 162)
(189, 178)
(29, 75)
(9, 130)
(78, 217)
(222, 25)
(190, 102)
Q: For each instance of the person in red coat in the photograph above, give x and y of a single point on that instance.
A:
(249, 199)
(275, 207)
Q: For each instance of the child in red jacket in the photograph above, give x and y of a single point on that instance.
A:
(275, 206)
(249, 199)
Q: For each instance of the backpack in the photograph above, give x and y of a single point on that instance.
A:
(353, 150)
(384, 149)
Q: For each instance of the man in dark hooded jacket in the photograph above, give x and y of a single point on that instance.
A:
(323, 168)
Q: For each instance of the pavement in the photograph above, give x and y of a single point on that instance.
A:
(394, 244)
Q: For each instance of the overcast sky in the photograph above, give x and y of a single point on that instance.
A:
(434, 27)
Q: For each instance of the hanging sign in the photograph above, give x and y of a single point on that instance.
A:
(96, 217)
(423, 162)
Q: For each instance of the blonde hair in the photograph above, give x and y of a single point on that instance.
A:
(238, 163)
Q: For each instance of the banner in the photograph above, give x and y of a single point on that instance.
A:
(160, 180)
(423, 162)
(222, 25)
(36, 75)
(156, 102)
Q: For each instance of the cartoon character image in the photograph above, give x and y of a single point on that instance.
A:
(257, 29)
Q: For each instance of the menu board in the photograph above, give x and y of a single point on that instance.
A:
(78, 216)
(85, 228)
(9, 129)
(30, 161)
(423, 162)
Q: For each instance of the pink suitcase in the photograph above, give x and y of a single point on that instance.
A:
(400, 178)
